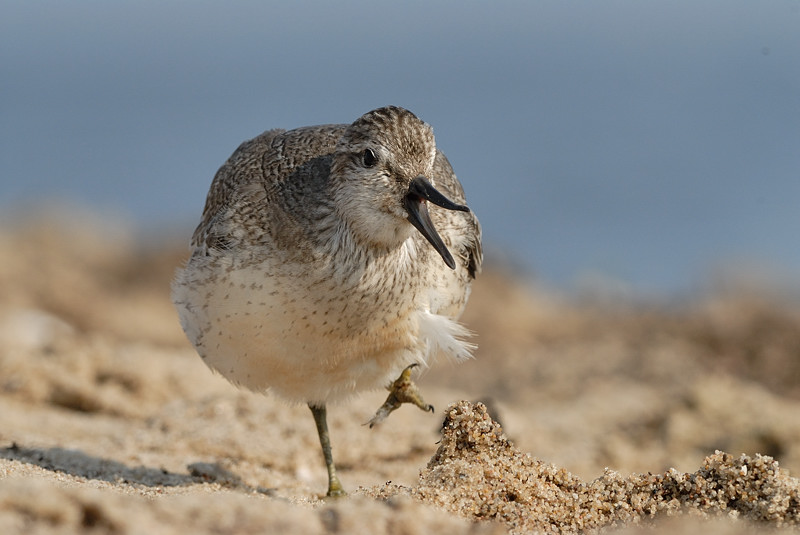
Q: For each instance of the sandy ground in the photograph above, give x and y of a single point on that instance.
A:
(612, 413)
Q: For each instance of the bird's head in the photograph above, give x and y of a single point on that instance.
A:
(382, 178)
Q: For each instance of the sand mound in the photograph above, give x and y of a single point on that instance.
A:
(478, 473)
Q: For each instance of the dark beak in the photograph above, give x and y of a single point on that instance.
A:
(420, 191)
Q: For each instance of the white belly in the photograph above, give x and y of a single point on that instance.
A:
(307, 340)
(262, 333)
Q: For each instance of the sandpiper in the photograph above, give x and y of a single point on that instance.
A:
(318, 270)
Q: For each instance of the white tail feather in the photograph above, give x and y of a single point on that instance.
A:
(446, 336)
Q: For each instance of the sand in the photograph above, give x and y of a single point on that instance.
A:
(578, 414)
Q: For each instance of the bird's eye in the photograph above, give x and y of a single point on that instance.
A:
(369, 158)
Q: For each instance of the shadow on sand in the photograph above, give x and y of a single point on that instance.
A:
(78, 464)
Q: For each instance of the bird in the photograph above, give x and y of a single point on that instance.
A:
(328, 260)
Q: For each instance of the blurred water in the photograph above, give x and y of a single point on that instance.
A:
(642, 141)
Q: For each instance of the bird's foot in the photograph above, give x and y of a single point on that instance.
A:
(335, 489)
(402, 390)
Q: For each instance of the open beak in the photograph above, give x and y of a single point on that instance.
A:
(419, 191)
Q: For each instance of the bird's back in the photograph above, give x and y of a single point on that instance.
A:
(261, 166)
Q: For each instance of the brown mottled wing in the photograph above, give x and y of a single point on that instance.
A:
(445, 180)
(245, 161)
(257, 169)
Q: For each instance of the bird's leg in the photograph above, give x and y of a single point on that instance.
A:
(321, 419)
(403, 390)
